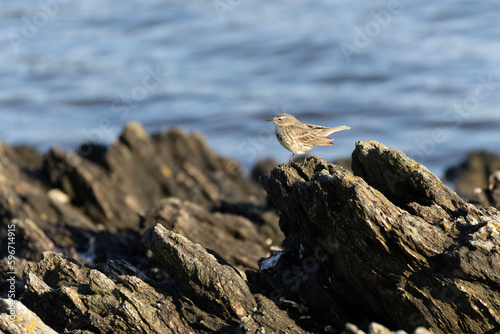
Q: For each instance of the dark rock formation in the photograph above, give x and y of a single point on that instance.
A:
(389, 242)
(207, 279)
(236, 238)
(90, 205)
(138, 170)
(214, 291)
(477, 179)
(66, 191)
(385, 244)
(208, 294)
(263, 166)
(109, 298)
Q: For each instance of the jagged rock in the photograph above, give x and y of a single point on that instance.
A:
(208, 295)
(45, 219)
(25, 192)
(240, 241)
(474, 179)
(109, 298)
(90, 205)
(138, 170)
(205, 278)
(215, 287)
(345, 163)
(30, 240)
(489, 196)
(389, 242)
(263, 166)
(493, 189)
(11, 277)
(15, 318)
(88, 186)
(22, 192)
(27, 212)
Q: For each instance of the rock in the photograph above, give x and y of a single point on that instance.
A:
(387, 244)
(344, 162)
(22, 189)
(90, 187)
(268, 318)
(263, 166)
(240, 241)
(205, 278)
(30, 240)
(390, 242)
(493, 189)
(208, 295)
(11, 276)
(215, 288)
(15, 318)
(124, 181)
(90, 205)
(407, 184)
(111, 297)
(44, 219)
(490, 195)
(474, 175)
(265, 219)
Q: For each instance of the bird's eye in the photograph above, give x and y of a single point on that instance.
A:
(280, 119)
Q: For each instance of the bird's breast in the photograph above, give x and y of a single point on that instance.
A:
(288, 141)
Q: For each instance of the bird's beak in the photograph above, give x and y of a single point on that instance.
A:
(270, 120)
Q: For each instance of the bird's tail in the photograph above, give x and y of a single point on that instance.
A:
(337, 128)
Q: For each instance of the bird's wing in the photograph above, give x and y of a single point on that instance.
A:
(315, 127)
(310, 137)
(326, 131)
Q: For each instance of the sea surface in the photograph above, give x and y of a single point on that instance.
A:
(420, 76)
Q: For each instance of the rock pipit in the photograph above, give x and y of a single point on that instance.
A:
(298, 137)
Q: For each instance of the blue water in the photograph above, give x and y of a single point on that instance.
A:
(411, 74)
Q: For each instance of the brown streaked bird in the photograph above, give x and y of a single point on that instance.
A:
(298, 137)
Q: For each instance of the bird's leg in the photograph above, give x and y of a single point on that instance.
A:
(305, 159)
(290, 163)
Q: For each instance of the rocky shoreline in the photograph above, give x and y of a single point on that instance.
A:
(158, 234)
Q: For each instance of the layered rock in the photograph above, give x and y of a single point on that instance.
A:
(478, 178)
(387, 243)
(112, 187)
(111, 297)
(90, 205)
(132, 175)
(239, 240)
(205, 295)
(390, 242)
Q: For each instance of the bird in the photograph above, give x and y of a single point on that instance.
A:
(298, 137)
